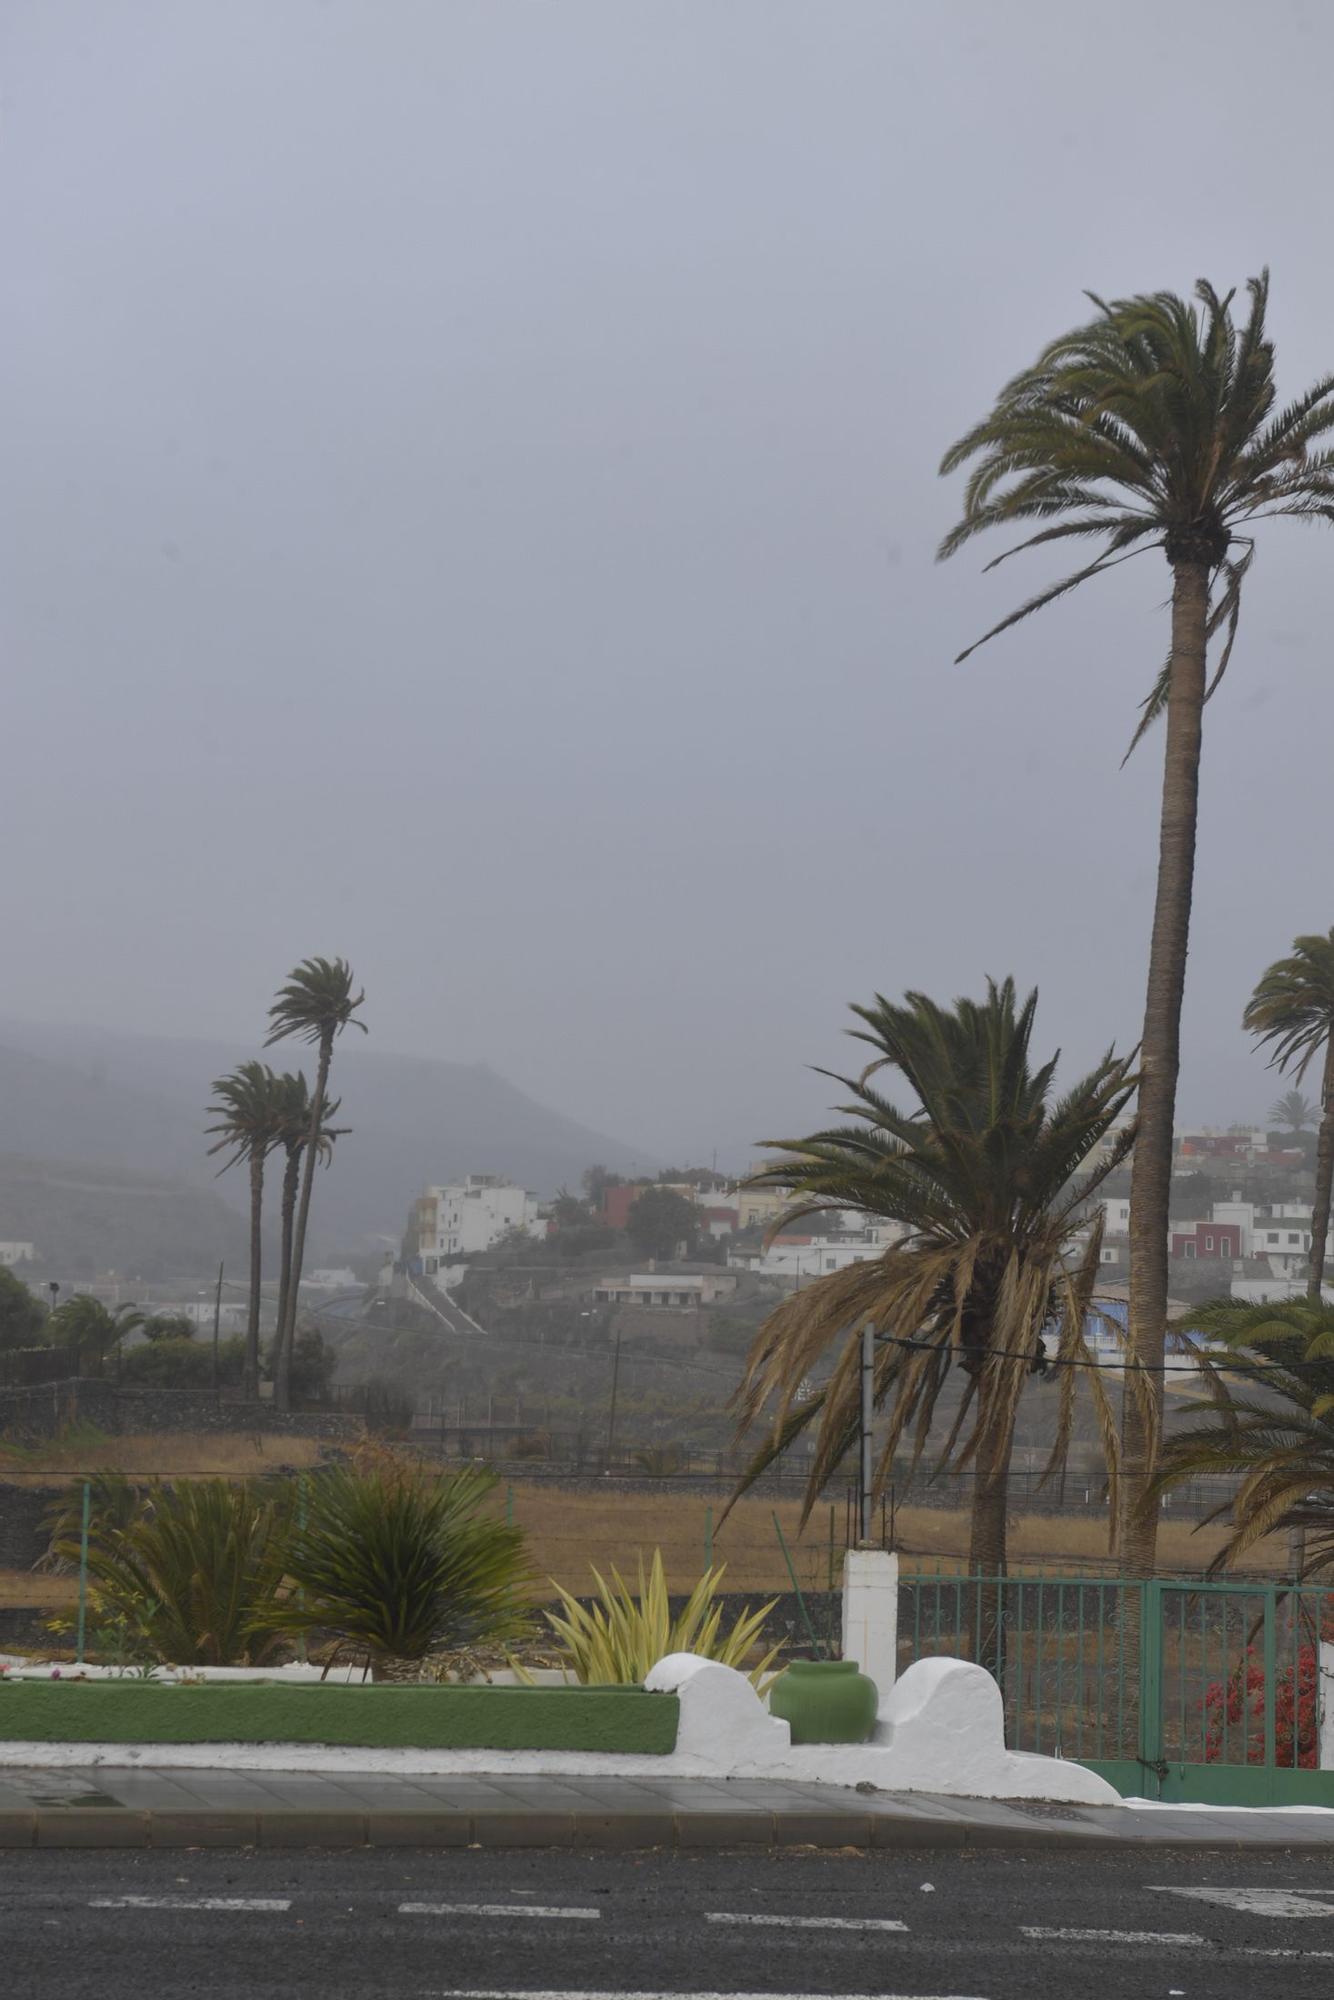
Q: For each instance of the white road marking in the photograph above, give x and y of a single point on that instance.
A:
(1112, 1937)
(1291, 1951)
(1257, 1902)
(496, 1910)
(190, 1903)
(806, 1923)
(623, 1993)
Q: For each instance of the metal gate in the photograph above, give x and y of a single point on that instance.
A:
(1172, 1690)
(1231, 1693)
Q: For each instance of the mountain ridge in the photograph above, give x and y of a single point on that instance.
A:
(107, 1099)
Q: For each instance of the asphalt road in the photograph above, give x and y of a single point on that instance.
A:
(348, 1926)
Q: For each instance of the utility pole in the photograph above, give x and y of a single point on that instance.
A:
(217, 1322)
(611, 1414)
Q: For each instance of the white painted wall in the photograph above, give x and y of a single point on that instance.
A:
(871, 1614)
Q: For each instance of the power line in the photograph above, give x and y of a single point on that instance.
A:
(1039, 1362)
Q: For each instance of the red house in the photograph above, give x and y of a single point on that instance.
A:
(1207, 1239)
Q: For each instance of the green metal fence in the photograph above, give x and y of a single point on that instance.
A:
(1172, 1690)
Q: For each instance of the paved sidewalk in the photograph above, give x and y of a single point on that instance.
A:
(193, 1808)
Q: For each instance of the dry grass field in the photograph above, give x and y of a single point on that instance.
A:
(570, 1530)
(158, 1454)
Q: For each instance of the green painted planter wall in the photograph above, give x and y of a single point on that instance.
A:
(615, 1719)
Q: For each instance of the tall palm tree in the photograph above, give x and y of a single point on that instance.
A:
(1293, 1112)
(294, 1134)
(1154, 426)
(246, 1120)
(1268, 1416)
(991, 1277)
(317, 1003)
(1292, 1009)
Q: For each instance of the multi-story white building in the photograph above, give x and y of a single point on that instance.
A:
(17, 1253)
(463, 1218)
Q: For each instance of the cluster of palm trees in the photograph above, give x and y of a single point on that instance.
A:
(1155, 425)
(256, 1113)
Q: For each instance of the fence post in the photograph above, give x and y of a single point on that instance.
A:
(821, 1652)
(1151, 1681)
(83, 1569)
(708, 1538)
(509, 1506)
(1270, 1645)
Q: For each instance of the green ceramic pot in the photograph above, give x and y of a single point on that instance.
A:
(825, 1701)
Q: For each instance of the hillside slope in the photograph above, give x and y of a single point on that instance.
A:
(133, 1102)
(87, 1220)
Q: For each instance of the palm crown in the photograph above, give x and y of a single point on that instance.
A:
(983, 1177)
(1152, 426)
(1292, 1008)
(246, 1112)
(316, 1003)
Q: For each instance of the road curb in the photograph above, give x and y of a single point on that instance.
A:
(124, 1827)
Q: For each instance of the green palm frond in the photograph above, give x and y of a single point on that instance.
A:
(1272, 1428)
(317, 1002)
(1150, 426)
(246, 1113)
(990, 1182)
(1292, 1008)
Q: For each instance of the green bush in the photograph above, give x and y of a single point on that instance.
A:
(195, 1577)
(399, 1562)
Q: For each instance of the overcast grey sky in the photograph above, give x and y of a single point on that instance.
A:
(471, 496)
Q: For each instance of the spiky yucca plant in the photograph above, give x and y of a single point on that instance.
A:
(617, 1640)
(197, 1573)
(400, 1563)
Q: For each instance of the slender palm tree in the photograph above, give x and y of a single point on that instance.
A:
(246, 1111)
(1154, 426)
(1293, 1113)
(1292, 1010)
(1267, 1414)
(995, 1272)
(317, 1003)
(294, 1120)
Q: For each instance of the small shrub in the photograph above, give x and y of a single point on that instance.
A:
(622, 1636)
(195, 1579)
(400, 1563)
(1235, 1714)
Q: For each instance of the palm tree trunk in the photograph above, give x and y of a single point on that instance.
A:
(1324, 1177)
(287, 1333)
(1160, 1058)
(250, 1379)
(291, 1172)
(987, 1543)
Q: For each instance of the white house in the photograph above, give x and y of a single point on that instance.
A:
(17, 1253)
(672, 1289)
(464, 1218)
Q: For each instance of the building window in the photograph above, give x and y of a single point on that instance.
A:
(1190, 1249)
